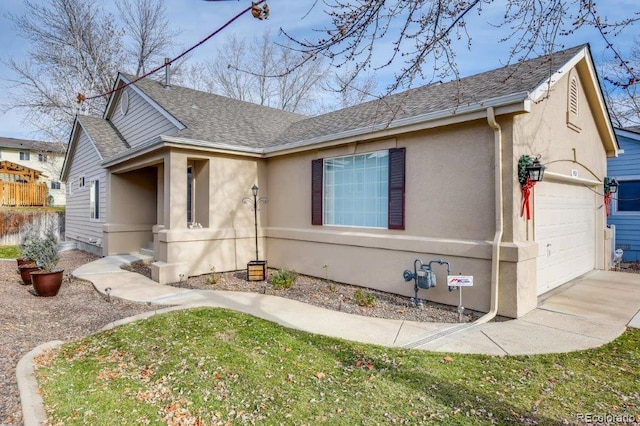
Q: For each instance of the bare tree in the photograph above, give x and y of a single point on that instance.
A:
(77, 47)
(151, 36)
(352, 90)
(623, 99)
(253, 70)
(422, 33)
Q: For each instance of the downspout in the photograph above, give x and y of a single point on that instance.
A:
(497, 238)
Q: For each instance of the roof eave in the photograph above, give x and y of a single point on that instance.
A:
(511, 104)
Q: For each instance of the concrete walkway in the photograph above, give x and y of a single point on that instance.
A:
(588, 312)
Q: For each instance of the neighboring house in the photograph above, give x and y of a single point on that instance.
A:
(625, 204)
(44, 157)
(359, 193)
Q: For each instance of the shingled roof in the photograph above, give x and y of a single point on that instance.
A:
(106, 138)
(219, 119)
(216, 119)
(522, 77)
(32, 145)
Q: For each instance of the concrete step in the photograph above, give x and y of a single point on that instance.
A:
(146, 251)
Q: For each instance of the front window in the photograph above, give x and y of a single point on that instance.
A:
(94, 200)
(190, 215)
(356, 190)
(25, 155)
(628, 196)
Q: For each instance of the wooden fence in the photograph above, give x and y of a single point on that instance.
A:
(16, 194)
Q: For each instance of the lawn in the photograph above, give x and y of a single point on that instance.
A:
(214, 366)
(9, 252)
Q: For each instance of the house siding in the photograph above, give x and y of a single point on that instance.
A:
(142, 121)
(51, 169)
(79, 226)
(627, 225)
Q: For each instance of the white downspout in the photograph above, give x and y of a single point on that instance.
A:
(497, 238)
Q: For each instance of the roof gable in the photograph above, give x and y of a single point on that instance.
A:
(104, 138)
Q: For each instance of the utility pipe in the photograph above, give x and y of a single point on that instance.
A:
(497, 238)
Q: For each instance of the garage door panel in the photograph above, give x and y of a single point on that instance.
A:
(564, 231)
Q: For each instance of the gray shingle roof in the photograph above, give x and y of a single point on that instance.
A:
(106, 138)
(218, 119)
(634, 129)
(32, 145)
(522, 77)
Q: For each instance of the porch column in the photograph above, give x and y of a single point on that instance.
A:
(175, 191)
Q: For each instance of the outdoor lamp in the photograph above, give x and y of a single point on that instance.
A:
(610, 185)
(254, 190)
(535, 170)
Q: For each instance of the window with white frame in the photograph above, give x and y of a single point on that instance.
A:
(628, 196)
(42, 158)
(94, 200)
(356, 190)
(25, 155)
(55, 185)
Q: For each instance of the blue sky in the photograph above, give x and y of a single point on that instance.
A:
(197, 18)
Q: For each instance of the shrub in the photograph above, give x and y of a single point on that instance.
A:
(212, 278)
(364, 299)
(29, 242)
(283, 279)
(44, 250)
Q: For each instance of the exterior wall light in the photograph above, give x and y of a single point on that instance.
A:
(610, 187)
(530, 171)
(535, 170)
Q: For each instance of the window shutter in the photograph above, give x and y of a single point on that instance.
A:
(396, 187)
(316, 191)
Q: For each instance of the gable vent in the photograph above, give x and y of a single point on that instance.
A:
(573, 96)
(573, 101)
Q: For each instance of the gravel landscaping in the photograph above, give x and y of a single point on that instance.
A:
(27, 321)
(326, 294)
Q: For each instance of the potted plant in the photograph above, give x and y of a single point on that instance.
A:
(26, 263)
(47, 281)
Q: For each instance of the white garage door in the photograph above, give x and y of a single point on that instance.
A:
(565, 232)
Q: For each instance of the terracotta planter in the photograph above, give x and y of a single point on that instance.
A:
(25, 272)
(47, 284)
(21, 261)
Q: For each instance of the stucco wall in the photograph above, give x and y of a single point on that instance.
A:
(564, 150)
(449, 214)
(226, 242)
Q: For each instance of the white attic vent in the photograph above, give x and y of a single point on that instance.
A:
(573, 102)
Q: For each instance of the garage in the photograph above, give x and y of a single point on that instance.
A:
(565, 230)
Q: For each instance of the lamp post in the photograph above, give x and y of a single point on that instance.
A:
(256, 201)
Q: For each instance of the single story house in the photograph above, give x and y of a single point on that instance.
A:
(359, 193)
(624, 218)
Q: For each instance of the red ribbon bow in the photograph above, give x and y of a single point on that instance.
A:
(526, 193)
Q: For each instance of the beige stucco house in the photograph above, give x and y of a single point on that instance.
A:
(358, 193)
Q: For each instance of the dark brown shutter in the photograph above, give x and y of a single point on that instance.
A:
(396, 188)
(316, 192)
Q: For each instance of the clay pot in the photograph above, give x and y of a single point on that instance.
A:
(21, 261)
(47, 284)
(25, 272)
